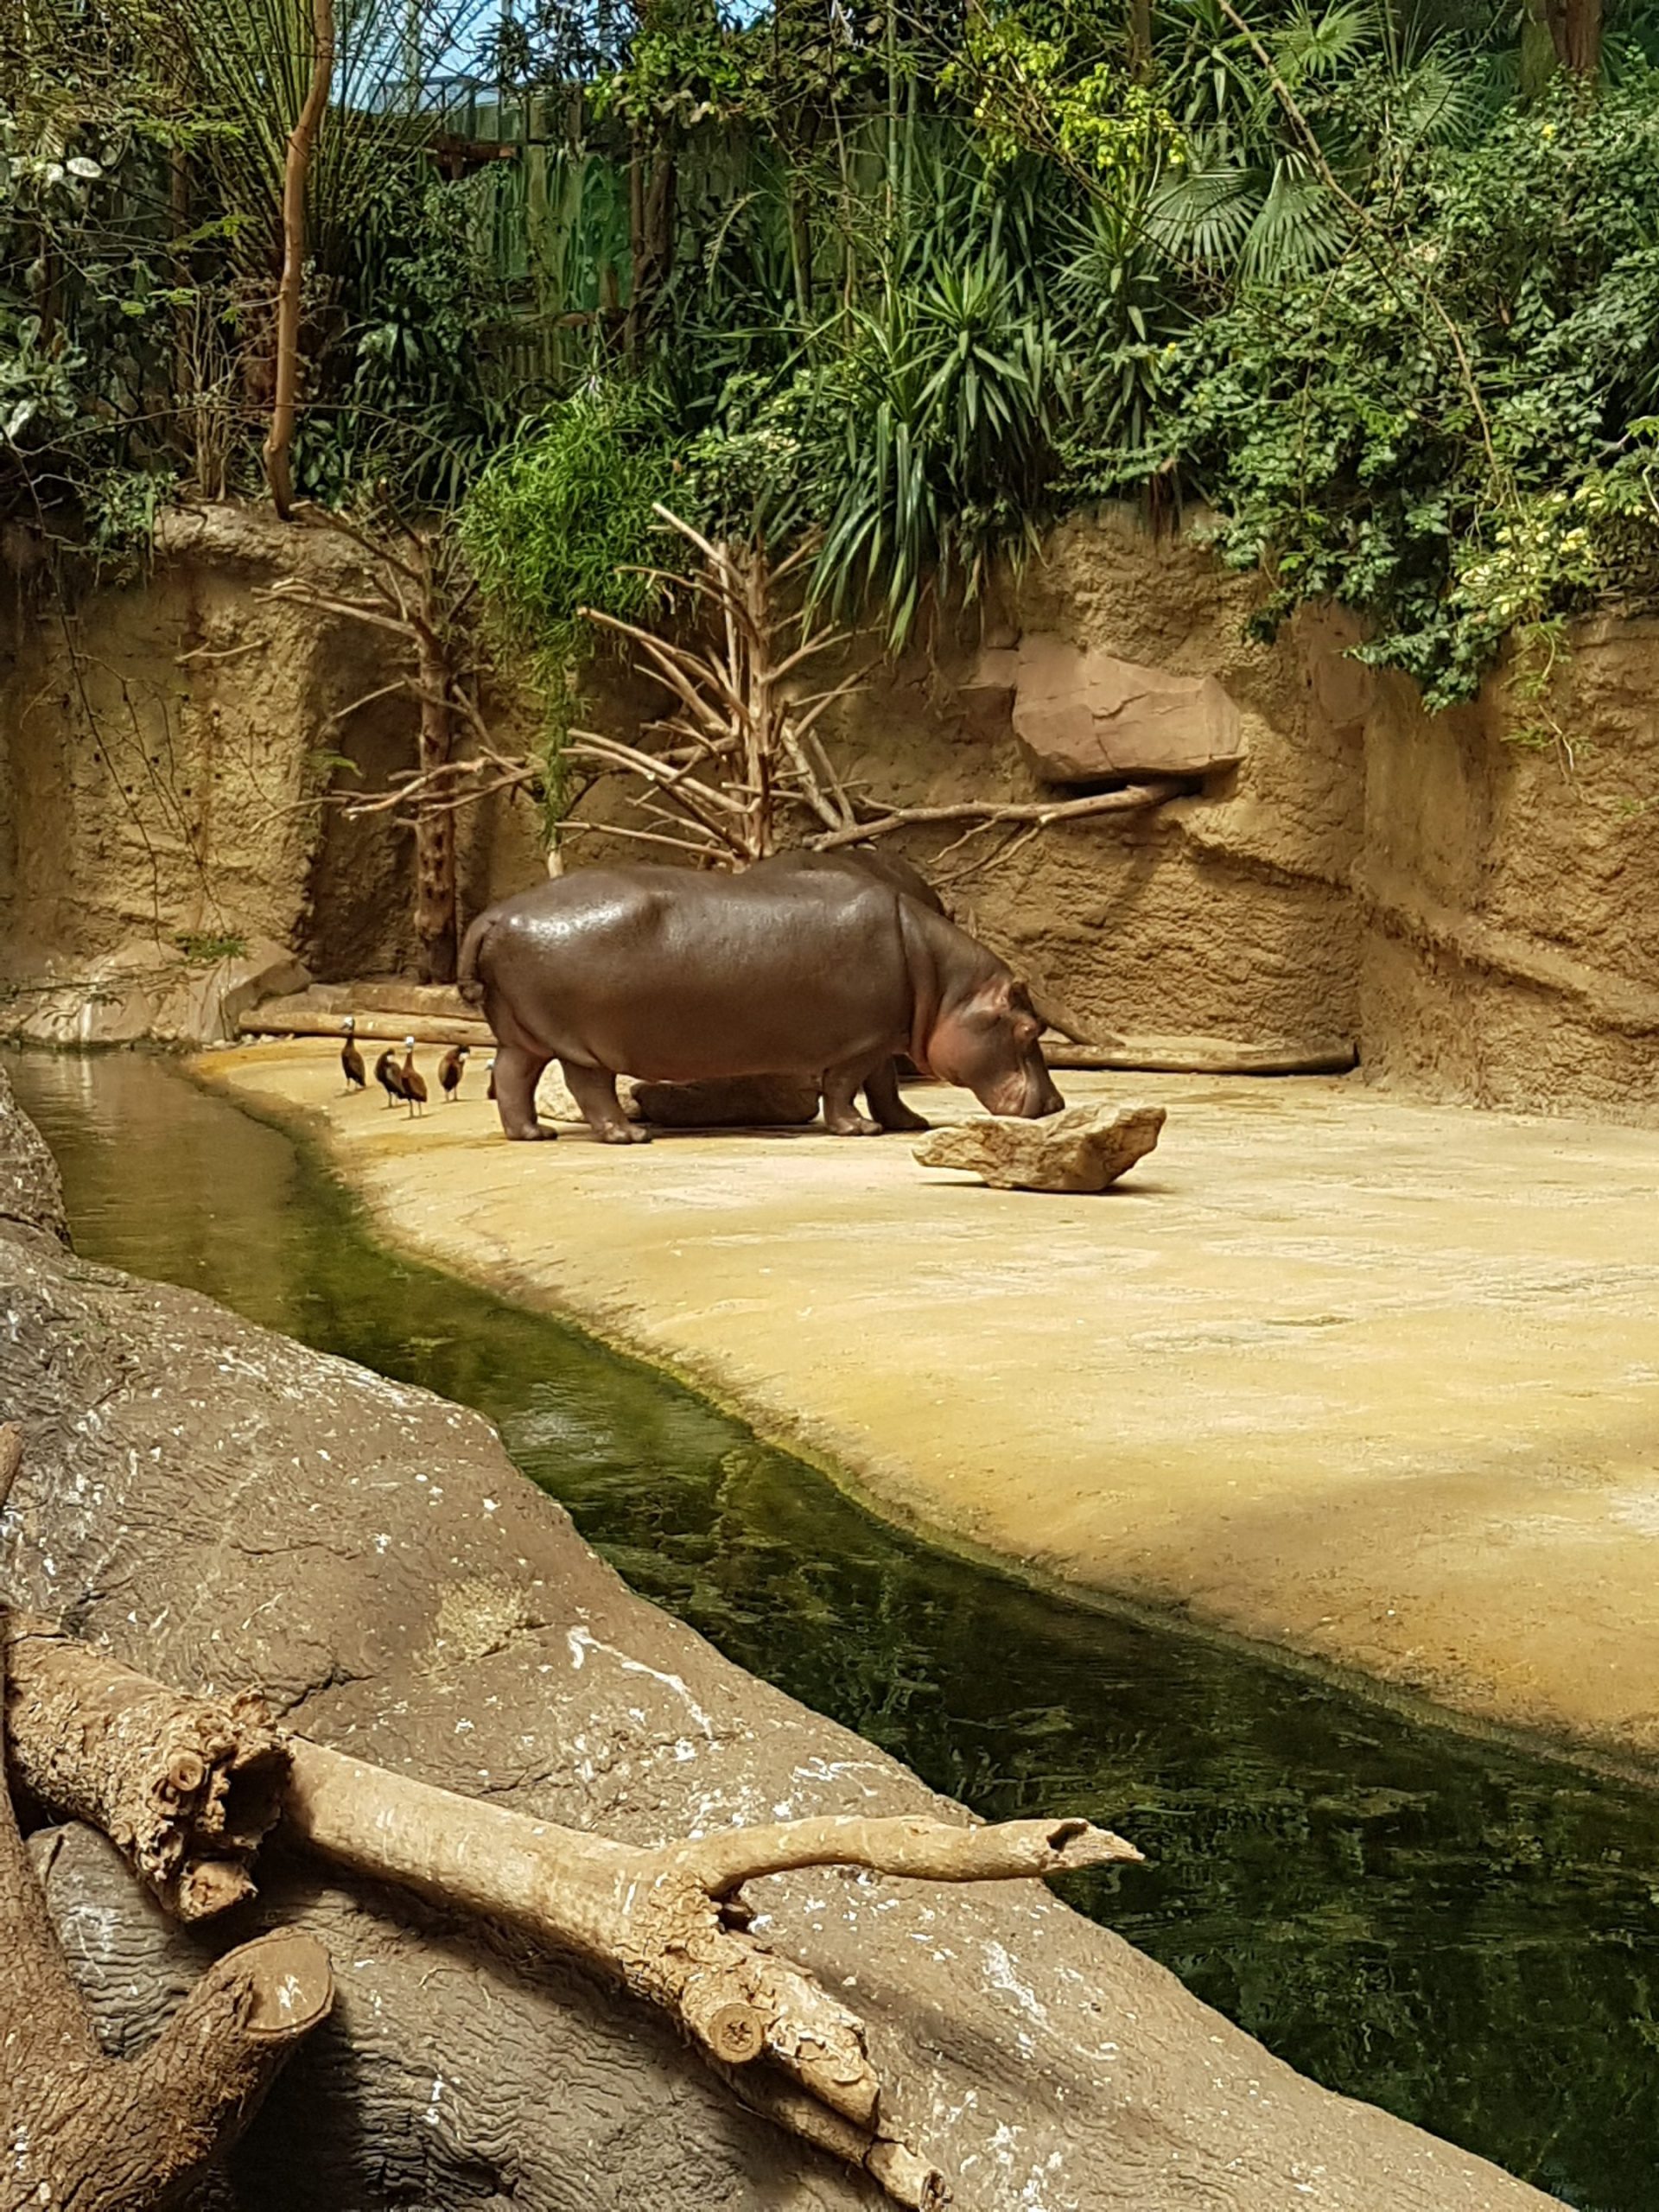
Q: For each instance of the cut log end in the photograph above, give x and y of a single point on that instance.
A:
(290, 1985)
(734, 2033)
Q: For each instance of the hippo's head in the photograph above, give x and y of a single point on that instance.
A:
(989, 1045)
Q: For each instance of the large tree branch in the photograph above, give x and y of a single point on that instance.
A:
(665, 1921)
(82, 2131)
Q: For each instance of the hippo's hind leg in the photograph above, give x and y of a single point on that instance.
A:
(841, 1088)
(595, 1092)
(517, 1074)
(882, 1096)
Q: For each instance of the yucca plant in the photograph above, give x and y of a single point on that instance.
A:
(952, 396)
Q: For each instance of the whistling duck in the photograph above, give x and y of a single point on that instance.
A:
(350, 1059)
(386, 1075)
(489, 1093)
(449, 1071)
(413, 1081)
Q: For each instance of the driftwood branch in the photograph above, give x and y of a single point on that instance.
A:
(665, 1921)
(186, 1788)
(1040, 812)
(100, 2135)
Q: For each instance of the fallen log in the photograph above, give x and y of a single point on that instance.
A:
(277, 1019)
(1206, 1056)
(158, 1771)
(106, 2135)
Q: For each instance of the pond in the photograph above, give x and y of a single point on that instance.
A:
(1464, 1933)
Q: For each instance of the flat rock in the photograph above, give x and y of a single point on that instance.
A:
(1082, 715)
(1084, 1148)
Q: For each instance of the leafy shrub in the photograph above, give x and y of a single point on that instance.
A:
(1441, 430)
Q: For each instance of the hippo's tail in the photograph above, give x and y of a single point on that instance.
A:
(467, 977)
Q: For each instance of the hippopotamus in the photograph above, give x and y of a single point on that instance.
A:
(887, 867)
(677, 976)
(881, 1092)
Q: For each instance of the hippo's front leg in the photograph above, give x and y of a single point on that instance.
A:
(595, 1092)
(882, 1096)
(517, 1074)
(841, 1115)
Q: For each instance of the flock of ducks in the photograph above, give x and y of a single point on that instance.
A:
(405, 1085)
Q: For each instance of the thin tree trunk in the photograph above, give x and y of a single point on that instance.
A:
(1575, 28)
(633, 324)
(436, 927)
(1140, 39)
(296, 170)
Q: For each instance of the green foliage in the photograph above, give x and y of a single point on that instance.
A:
(947, 395)
(203, 948)
(909, 281)
(404, 358)
(1031, 91)
(1351, 453)
(562, 520)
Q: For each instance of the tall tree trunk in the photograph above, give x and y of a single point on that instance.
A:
(436, 926)
(296, 170)
(1575, 28)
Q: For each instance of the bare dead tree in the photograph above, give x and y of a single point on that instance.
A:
(736, 768)
(665, 1922)
(296, 169)
(419, 595)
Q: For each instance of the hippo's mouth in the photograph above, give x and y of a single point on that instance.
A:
(1029, 1098)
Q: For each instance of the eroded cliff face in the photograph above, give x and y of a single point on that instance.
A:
(1478, 917)
(165, 750)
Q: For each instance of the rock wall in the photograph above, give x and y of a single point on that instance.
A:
(1477, 916)
(163, 749)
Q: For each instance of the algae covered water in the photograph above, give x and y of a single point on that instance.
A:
(1461, 1933)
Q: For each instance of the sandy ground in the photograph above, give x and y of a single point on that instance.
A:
(1375, 1381)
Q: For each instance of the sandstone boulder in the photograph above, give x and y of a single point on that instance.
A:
(1082, 715)
(1084, 1148)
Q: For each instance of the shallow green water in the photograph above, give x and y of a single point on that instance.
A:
(1466, 1936)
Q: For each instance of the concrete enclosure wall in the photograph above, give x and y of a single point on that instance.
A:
(1480, 917)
